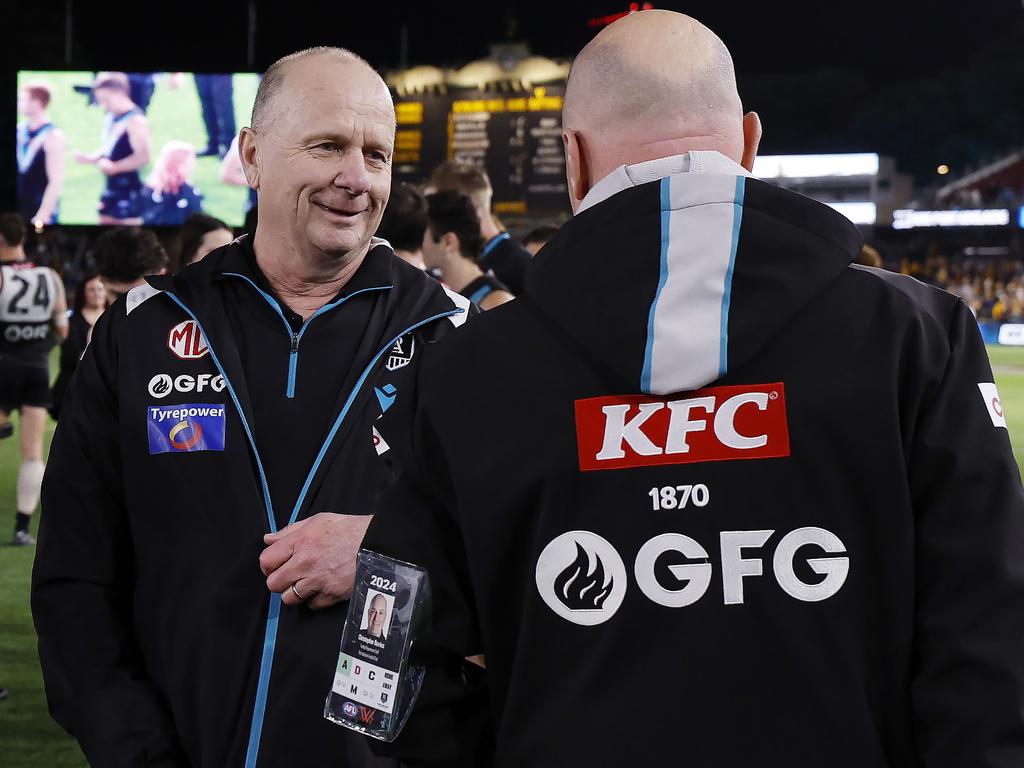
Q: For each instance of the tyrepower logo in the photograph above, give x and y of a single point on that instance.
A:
(187, 341)
(717, 424)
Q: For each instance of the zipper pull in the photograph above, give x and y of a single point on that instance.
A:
(295, 343)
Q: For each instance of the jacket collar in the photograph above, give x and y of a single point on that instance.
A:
(626, 176)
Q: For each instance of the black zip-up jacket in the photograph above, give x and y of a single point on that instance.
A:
(750, 505)
(160, 643)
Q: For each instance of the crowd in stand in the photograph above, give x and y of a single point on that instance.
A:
(994, 289)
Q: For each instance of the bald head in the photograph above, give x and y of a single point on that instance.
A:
(653, 84)
(263, 108)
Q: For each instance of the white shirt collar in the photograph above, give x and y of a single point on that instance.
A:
(626, 176)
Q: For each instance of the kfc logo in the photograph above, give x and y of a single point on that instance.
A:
(718, 424)
(187, 341)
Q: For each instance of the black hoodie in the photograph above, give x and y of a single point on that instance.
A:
(197, 421)
(709, 495)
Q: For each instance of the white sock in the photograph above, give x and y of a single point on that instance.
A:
(30, 481)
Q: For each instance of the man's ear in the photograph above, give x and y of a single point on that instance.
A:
(450, 242)
(250, 157)
(751, 139)
(577, 174)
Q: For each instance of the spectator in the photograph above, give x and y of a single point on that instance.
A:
(91, 300)
(199, 235)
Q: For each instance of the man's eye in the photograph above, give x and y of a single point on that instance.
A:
(379, 156)
(330, 146)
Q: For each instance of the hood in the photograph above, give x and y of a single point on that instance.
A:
(671, 284)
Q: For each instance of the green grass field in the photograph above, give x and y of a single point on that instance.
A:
(30, 739)
(173, 114)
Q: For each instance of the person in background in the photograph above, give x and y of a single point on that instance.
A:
(404, 223)
(216, 94)
(91, 300)
(124, 149)
(124, 256)
(199, 235)
(169, 197)
(450, 243)
(33, 315)
(500, 254)
(538, 237)
(40, 157)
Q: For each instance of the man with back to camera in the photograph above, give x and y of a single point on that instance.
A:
(124, 150)
(758, 506)
(40, 157)
(500, 254)
(450, 244)
(216, 463)
(33, 319)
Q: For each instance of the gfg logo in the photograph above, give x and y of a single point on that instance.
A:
(163, 384)
(581, 577)
(16, 333)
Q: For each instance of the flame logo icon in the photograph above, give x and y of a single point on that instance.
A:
(581, 577)
(580, 589)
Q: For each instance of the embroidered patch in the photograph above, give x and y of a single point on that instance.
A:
(186, 428)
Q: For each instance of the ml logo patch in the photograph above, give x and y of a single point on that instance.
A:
(401, 354)
(717, 424)
(187, 341)
(185, 428)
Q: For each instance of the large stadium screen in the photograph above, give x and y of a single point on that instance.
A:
(131, 148)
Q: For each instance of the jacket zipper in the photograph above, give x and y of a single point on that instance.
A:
(296, 336)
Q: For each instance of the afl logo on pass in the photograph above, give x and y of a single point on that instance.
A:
(187, 341)
(581, 578)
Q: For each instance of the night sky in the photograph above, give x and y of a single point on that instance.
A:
(882, 40)
(867, 50)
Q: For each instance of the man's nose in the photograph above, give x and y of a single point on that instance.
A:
(352, 175)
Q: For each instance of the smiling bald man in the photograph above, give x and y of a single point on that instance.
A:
(750, 506)
(222, 450)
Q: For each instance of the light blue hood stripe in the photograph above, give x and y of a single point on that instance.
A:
(665, 218)
(687, 344)
(723, 365)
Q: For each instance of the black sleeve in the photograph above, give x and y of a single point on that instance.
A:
(509, 261)
(967, 687)
(450, 725)
(96, 686)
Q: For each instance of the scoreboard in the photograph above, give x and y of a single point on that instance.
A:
(516, 138)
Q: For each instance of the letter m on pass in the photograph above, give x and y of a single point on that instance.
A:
(716, 424)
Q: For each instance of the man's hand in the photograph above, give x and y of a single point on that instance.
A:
(317, 556)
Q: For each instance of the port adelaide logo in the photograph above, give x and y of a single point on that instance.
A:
(581, 578)
(401, 354)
